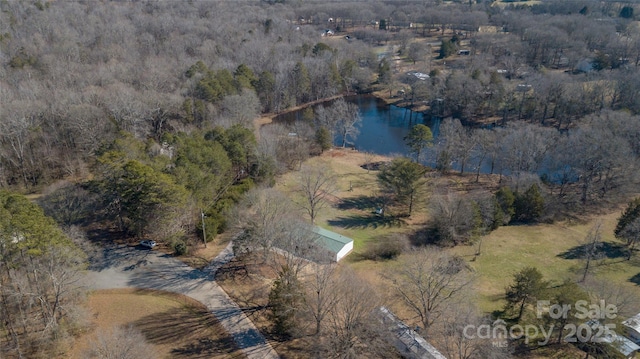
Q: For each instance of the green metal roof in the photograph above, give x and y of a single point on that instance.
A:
(332, 240)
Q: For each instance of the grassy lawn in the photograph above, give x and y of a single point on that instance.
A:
(176, 326)
(351, 212)
(552, 248)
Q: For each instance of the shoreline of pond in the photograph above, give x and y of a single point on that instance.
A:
(268, 118)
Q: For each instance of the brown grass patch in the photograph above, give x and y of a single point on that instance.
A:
(200, 257)
(177, 326)
(248, 282)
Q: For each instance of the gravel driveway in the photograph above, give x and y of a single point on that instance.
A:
(134, 267)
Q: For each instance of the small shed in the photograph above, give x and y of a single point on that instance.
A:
(336, 244)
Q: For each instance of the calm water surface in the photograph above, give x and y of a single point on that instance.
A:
(383, 127)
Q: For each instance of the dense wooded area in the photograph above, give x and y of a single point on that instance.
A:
(140, 116)
(77, 76)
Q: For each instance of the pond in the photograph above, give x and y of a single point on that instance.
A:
(383, 126)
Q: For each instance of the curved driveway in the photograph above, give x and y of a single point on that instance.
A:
(131, 267)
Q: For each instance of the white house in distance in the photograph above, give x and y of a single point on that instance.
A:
(336, 244)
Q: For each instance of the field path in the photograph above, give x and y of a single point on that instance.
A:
(124, 266)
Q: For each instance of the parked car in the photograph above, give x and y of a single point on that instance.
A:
(148, 244)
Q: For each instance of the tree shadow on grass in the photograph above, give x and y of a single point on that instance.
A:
(607, 250)
(373, 166)
(363, 203)
(367, 221)
(206, 337)
(635, 279)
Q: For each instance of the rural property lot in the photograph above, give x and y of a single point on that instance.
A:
(128, 267)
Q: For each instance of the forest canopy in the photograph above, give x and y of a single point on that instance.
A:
(168, 91)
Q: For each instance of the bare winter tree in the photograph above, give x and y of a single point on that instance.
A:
(291, 149)
(353, 331)
(17, 137)
(626, 302)
(38, 286)
(121, 343)
(449, 334)
(261, 215)
(460, 142)
(430, 282)
(317, 185)
(592, 244)
(524, 147)
(296, 246)
(347, 120)
(452, 217)
(321, 293)
(606, 163)
(241, 109)
(325, 119)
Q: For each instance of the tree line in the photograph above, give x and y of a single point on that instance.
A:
(156, 68)
(154, 102)
(40, 266)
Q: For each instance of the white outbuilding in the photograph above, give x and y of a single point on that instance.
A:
(337, 245)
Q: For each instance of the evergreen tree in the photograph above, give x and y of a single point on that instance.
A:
(527, 286)
(403, 179)
(323, 138)
(284, 300)
(626, 12)
(265, 86)
(447, 49)
(504, 209)
(418, 138)
(628, 226)
(244, 77)
(302, 83)
(566, 296)
(529, 206)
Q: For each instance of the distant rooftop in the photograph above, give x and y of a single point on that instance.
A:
(625, 346)
(633, 322)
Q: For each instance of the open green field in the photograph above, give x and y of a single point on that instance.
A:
(553, 248)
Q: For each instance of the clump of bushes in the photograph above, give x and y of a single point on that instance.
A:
(180, 247)
(525, 207)
(457, 219)
(386, 248)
